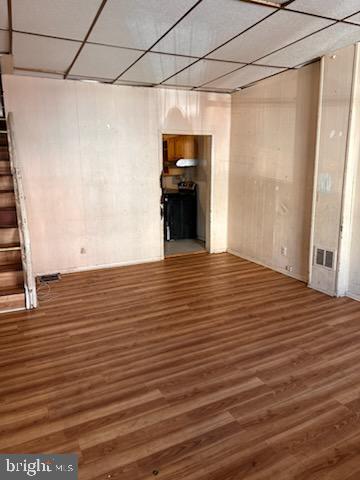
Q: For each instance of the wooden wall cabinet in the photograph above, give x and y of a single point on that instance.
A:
(182, 146)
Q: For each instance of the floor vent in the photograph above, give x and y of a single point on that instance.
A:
(52, 277)
(324, 258)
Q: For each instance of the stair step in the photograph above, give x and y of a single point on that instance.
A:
(11, 275)
(8, 217)
(4, 153)
(10, 247)
(7, 199)
(3, 138)
(5, 167)
(6, 183)
(9, 237)
(10, 257)
(5, 291)
(12, 299)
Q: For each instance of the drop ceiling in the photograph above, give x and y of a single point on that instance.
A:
(211, 45)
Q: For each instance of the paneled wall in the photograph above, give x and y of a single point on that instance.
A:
(273, 134)
(90, 156)
(333, 138)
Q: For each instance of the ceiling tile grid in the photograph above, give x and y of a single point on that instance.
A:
(202, 72)
(103, 62)
(156, 67)
(4, 41)
(337, 9)
(4, 17)
(244, 76)
(137, 23)
(65, 18)
(210, 24)
(319, 44)
(43, 53)
(217, 45)
(273, 33)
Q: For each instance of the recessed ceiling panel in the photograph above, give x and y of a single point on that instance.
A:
(210, 24)
(98, 61)
(202, 72)
(43, 53)
(321, 43)
(4, 41)
(4, 18)
(338, 9)
(58, 18)
(244, 76)
(273, 33)
(137, 23)
(156, 67)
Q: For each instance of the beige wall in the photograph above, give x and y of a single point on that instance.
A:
(273, 133)
(90, 156)
(201, 175)
(333, 136)
(353, 186)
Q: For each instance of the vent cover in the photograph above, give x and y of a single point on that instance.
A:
(324, 258)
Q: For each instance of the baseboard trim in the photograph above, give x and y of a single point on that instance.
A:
(103, 266)
(321, 290)
(353, 296)
(301, 278)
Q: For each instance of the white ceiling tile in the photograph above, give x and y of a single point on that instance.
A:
(354, 18)
(4, 41)
(210, 24)
(202, 72)
(156, 67)
(58, 18)
(244, 76)
(137, 23)
(328, 8)
(103, 62)
(4, 18)
(273, 33)
(43, 53)
(321, 43)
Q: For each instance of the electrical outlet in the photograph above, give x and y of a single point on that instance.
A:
(283, 251)
(289, 268)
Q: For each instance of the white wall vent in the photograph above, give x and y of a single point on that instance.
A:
(324, 258)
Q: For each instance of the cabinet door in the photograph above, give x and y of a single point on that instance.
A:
(171, 149)
(189, 147)
(179, 147)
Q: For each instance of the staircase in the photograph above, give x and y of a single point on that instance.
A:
(12, 290)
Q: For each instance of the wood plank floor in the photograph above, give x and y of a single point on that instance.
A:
(200, 367)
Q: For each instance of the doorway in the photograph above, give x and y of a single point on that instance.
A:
(185, 199)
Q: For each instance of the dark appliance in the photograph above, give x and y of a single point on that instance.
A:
(180, 212)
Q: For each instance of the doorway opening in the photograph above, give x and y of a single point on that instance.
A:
(185, 200)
